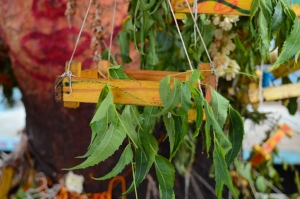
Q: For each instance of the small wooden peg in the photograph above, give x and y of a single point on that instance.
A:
(103, 66)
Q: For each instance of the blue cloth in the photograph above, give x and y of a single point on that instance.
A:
(268, 77)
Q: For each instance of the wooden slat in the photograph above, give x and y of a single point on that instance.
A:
(285, 69)
(133, 92)
(275, 93)
(232, 7)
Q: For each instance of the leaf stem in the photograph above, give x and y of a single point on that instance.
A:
(135, 191)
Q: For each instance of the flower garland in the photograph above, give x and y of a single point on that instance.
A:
(223, 45)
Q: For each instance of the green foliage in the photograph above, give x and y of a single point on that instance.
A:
(165, 173)
(236, 134)
(274, 19)
(125, 159)
(149, 27)
(221, 172)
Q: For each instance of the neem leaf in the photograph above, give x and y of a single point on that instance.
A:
(212, 122)
(117, 72)
(165, 173)
(180, 131)
(108, 145)
(221, 172)
(278, 17)
(219, 106)
(244, 170)
(126, 124)
(170, 127)
(236, 134)
(199, 111)
(291, 45)
(101, 111)
(253, 10)
(99, 128)
(193, 78)
(185, 97)
(260, 184)
(164, 88)
(125, 159)
(264, 35)
(144, 158)
(173, 99)
(123, 41)
(149, 119)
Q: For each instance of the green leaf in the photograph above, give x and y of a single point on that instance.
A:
(185, 97)
(278, 17)
(117, 72)
(149, 119)
(170, 127)
(260, 184)
(291, 45)
(165, 173)
(199, 110)
(164, 88)
(101, 111)
(99, 128)
(221, 172)
(236, 134)
(126, 124)
(125, 159)
(108, 145)
(123, 41)
(180, 131)
(264, 35)
(152, 57)
(253, 10)
(292, 105)
(219, 106)
(144, 158)
(211, 122)
(193, 78)
(173, 99)
(164, 41)
(244, 170)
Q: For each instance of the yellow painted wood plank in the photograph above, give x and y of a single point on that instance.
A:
(275, 93)
(285, 69)
(232, 7)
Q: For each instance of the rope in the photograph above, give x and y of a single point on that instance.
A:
(260, 88)
(183, 44)
(112, 29)
(68, 73)
(200, 35)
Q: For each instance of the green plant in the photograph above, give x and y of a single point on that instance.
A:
(150, 27)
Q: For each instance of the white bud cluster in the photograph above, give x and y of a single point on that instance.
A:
(223, 45)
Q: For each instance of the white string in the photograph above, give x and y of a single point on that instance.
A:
(68, 73)
(195, 7)
(260, 84)
(186, 53)
(78, 37)
(183, 44)
(200, 35)
(112, 29)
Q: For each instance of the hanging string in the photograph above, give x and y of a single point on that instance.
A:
(260, 88)
(112, 29)
(195, 7)
(183, 44)
(202, 40)
(68, 73)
